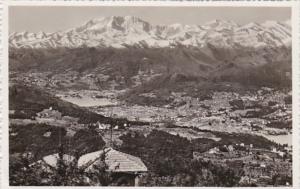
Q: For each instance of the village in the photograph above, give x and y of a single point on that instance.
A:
(268, 114)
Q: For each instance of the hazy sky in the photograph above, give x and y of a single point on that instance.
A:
(50, 19)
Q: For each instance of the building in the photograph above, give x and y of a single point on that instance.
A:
(103, 126)
(49, 114)
(126, 169)
(214, 150)
(280, 153)
(230, 148)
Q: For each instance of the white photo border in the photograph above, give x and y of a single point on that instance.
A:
(4, 71)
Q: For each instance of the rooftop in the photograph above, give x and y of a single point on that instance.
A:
(116, 161)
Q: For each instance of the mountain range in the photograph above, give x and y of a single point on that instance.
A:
(120, 32)
(129, 53)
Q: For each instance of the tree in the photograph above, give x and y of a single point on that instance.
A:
(24, 173)
(100, 175)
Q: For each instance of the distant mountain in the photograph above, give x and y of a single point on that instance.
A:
(151, 68)
(120, 32)
(127, 52)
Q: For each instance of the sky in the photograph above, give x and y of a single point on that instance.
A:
(52, 19)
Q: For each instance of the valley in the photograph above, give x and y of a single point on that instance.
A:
(193, 102)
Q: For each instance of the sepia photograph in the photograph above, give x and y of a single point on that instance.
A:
(150, 96)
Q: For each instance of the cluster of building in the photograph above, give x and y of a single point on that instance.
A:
(54, 116)
(104, 126)
(226, 111)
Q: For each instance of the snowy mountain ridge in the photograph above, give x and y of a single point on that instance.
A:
(120, 32)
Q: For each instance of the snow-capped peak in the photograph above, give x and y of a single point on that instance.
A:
(121, 31)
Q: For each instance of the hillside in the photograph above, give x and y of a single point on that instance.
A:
(29, 100)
